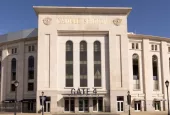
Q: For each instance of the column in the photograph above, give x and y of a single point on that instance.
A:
(142, 105)
(147, 79)
(76, 65)
(90, 104)
(90, 64)
(76, 105)
(161, 103)
(4, 70)
(165, 69)
(20, 70)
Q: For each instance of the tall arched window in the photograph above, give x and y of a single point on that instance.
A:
(155, 71)
(135, 61)
(13, 69)
(31, 67)
(69, 64)
(97, 64)
(83, 64)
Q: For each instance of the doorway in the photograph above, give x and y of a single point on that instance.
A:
(98, 104)
(137, 105)
(83, 104)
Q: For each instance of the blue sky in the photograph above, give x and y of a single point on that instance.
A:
(150, 17)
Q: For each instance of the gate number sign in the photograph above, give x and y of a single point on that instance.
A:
(83, 91)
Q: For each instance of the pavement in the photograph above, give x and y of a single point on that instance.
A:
(124, 113)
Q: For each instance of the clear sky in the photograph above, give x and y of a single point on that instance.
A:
(151, 17)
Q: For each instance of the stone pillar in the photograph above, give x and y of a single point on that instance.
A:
(161, 103)
(76, 105)
(4, 73)
(142, 105)
(90, 105)
(147, 71)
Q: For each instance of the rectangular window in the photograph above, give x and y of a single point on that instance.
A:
(30, 86)
(33, 48)
(12, 51)
(15, 50)
(12, 87)
(155, 85)
(97, 75)
(29, 48)
(133, 45)
(136, 84)
(120, 101)
(152, 47)
(137, 46)
(13, 76)
(155, 47)
(168, 49)
(31, 74)
(83, 75)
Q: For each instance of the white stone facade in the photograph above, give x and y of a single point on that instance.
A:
(56, 26)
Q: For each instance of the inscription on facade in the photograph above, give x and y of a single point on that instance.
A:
(81, 21)
(83, 91)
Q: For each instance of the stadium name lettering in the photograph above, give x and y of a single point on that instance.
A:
(81, 21)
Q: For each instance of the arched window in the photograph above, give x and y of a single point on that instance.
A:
(83, 64)
(31, 67)
(155, 71)
(69, 64)
(13, 69)
(97, 64)
(135, 61)
(135, 67)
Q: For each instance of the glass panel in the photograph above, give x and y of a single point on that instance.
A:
(72, 105)
(139, 105)
(94, 104)
(66, 108)
(86, 105)
(100, 104)
(48, 107)
(118, 106)
(121, 106)
(80, 104)
(136, 106)
(120, 98)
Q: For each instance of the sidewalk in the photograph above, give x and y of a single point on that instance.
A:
(126, 113)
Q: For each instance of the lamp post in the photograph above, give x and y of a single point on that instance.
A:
(16, 83)
(129, 100)
(167, 85)
(42, 103)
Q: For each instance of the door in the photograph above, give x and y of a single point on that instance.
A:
(69, 104)
(47, 106)
(97, 104)
(120, 106)
(137, 105)
(83, 104)
(157, 106)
